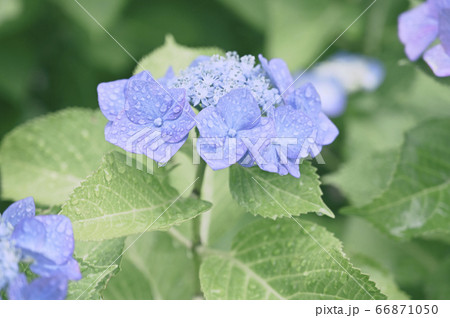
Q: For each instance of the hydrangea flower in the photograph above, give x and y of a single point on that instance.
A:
(420, 27)
(206, 80)
(145, 117)
(46, 243)
(340, 75)
(246, 114)
(307, 100)
(227, 130)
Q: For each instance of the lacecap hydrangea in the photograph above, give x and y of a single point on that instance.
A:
(248, 113)
(42, 243)
(419, 27)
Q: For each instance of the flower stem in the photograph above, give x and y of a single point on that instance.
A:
(196, 193)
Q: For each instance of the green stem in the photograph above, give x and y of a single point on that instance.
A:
(196, 193)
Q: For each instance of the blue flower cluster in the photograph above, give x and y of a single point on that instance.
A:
(248, 114)
(45, 243)
(420, 27)
(208, 79)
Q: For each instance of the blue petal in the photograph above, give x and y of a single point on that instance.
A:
(417, 29)
(293, 125)
(69, 270)
(147, 100)
(30, 236)
(438, 60)
(273, 162)
(279, 73)
(444, 29)
(178, 128)
(19, 210)
(170, 74)
(140, 139)
(111, 98)
(9, 262)
(43, 288)
(327, 131)
(239, 109)
(45, 237)
(210, 123)
(307, 99)
(221, 152)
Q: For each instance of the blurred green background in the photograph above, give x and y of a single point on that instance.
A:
(53, 55)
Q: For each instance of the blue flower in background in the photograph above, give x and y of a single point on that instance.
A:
(145, 117)
(46, 243)
(227, 130)
(340, 75)
(420, 27)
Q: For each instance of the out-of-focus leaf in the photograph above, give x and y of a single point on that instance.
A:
(417, 201)
(48, 157)
(155, 266)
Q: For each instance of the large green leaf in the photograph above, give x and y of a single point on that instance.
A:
(156, 266)
(361, 182)
(260, 192)
(284, 259)
(417, 201)
(48, 157)
(120, 200)
(383, 279)
(99, 261)
(171, 54)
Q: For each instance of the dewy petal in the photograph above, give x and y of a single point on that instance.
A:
(221, 152)
(327, 131)
(70, 269)
(239, 109)
(30, 236)
(293, 127)
(43, 288)
(279, 73)
(59, 244)
(111, 98)
(438, 60)
(45, 237)
(444, 29)
(177, 129)
(210, 123)
(307, 99)
(417, 29)
(147, 100)
(140, 139)
(19, 210)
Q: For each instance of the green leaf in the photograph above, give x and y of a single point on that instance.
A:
(253, 12)
(417, 201)
(172, 54)
(156, 266)
(120, 200)
(284, 259)
(98, 261)
(383, 279)
(48, 157)
(364, 177)
(437, 286)
(259, 191)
